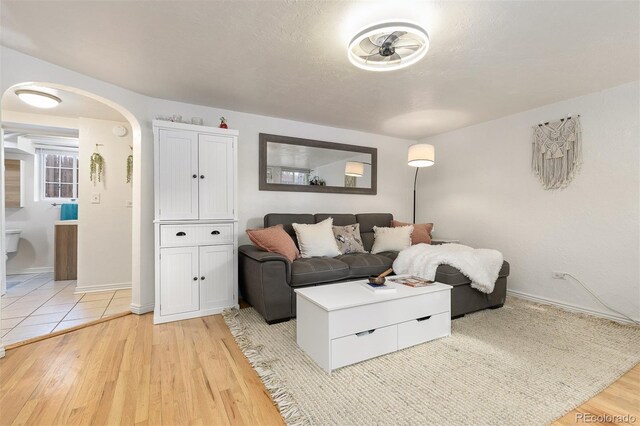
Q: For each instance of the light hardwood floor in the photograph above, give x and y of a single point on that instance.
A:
(127, 371)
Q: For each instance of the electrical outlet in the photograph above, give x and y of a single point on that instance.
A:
(95, 198)
(558, 275)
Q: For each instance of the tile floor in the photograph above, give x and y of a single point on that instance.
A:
(35, 305)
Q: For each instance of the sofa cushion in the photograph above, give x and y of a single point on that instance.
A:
(339, 219)
(317, 240)
(421, 231)
(274, 240)
(287, 220)
(391, 239)
(365, 264)
(389, 254)
(447, 274)
(348, 238)
(316, 270)
(367, 221)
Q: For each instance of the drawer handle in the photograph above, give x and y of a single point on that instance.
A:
(195, 278)
(201, 176)
(365, 333)
(215, 232)
(202, 278)
(424, 318)
(181, 234)
(195, 176)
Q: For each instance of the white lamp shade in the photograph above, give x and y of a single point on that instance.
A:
(421, 155)
(354, 168)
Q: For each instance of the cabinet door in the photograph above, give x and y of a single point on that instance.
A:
(179, 280)
(216, 176)
(177, 175)
(216, 276)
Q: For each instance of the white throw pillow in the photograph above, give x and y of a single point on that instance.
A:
(391, 239)
(317, 239)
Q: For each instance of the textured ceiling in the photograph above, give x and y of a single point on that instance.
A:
(288, 59)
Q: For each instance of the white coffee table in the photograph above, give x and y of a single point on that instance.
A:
(341, 324)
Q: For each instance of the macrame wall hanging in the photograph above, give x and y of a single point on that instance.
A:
(557, 152)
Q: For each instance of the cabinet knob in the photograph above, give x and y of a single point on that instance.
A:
(181, 234)
(215, 232)
(202, 278)
(195, 278)
(201, 176)
(195, 176)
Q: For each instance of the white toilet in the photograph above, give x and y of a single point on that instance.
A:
(11, 238)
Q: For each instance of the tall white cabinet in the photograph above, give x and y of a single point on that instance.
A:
(195, 220)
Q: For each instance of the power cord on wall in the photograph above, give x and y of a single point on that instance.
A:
(598, 299)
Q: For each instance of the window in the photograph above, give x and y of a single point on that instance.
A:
(288, 176)
(59, 174)
(294, 177)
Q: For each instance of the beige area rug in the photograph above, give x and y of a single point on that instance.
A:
(524, 364)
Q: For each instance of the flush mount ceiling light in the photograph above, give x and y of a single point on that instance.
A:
(38, 99)
(388, 46)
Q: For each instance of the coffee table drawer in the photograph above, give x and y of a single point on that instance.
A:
(424, 329)
(345, 322)
(358, 347)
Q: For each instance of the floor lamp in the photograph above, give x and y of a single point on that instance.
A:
(420, 155)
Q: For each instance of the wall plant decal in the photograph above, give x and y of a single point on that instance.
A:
(96, 168)
(130, 167)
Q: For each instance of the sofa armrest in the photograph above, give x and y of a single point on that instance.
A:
(263, 280)
(260, 255)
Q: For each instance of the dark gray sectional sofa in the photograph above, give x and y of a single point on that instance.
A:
(267, 280)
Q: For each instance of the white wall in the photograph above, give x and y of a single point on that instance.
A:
(104, 229)
(482, 191)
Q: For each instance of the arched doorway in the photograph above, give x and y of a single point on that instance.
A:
(132, 199)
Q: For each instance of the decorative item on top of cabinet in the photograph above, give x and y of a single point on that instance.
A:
(196, 220)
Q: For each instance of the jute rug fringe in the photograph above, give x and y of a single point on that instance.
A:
(280, 396)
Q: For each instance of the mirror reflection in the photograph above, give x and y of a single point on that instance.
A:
(293, 164)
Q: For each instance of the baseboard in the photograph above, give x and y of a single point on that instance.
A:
(38, 270)
(568, 307)
(2, 352)
(101, 287)
(141, 309)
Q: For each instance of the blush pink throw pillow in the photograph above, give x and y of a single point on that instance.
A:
(421, 231)
(274, 240)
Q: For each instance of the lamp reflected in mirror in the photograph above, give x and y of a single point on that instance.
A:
(354, 168)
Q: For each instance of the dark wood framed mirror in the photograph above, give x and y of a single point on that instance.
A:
(305, 165)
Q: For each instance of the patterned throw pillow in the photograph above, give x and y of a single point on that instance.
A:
(349, 239)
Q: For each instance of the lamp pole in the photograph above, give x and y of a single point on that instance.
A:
(415, 181)
(420, 155)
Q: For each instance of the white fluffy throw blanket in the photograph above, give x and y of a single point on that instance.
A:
(481, 266)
